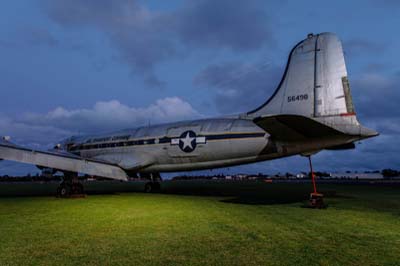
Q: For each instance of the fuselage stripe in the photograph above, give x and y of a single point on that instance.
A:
(235, 136)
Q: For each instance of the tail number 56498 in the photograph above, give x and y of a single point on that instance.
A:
(301, 97)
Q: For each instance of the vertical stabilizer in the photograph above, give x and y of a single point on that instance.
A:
(315, 81)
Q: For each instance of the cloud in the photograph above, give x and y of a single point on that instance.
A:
(30, 36)
(30, 134)
(239, 87)
(356, 47)
(112, 115)
(141, 37)
(386, 3)
(39, 36)
(144, 38)
(376, 95)
(240, 26)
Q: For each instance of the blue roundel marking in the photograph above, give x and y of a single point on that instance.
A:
(187, 141)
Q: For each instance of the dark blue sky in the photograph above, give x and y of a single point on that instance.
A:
(73, 67)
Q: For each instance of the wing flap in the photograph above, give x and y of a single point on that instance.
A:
(60, 160)
(294, 127)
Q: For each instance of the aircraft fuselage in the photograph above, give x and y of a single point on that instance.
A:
(190, 145)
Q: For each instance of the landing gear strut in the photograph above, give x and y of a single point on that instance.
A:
(70, 187)
(153, 184)
(316, 199)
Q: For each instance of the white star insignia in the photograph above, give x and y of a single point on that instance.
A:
(187, 141)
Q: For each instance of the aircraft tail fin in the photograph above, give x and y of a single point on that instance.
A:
(314, 83)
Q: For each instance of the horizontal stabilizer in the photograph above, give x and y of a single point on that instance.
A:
(348, 146)
(60, 160)
(294, 127)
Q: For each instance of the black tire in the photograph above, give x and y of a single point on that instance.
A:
(63, 191)
(152, 187)
(148, 187)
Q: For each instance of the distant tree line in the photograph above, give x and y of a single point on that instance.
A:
(29, 178)
(386, 173)
(389, 173)
(258, 176)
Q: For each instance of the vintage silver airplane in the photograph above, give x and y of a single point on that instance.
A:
(310, 110)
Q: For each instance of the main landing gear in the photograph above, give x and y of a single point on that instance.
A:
(70, 187)
(316, 199)
(153, 183)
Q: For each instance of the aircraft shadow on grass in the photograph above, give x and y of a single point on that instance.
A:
(248, 194)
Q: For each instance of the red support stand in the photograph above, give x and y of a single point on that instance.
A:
(312, 175)
(316, 199)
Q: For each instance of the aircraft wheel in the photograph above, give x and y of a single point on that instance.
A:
(148, 187)
(63, 191)
(152, 187)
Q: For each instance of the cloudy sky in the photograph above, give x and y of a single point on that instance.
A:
(84, 66)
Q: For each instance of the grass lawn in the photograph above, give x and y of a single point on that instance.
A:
(360, 227)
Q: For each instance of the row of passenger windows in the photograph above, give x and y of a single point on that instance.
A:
(111, 144)
(160, 140)
(214, 125)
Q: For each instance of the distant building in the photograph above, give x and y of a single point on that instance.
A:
(357, 175)
(301, 175)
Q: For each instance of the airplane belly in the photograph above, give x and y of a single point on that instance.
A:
(200, 147)
(215, 153)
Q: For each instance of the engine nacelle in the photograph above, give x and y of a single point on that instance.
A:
(47, 170)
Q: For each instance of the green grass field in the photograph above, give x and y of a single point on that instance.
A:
(360, 227)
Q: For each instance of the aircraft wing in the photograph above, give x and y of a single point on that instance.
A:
(294, 127)
(60, 160)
